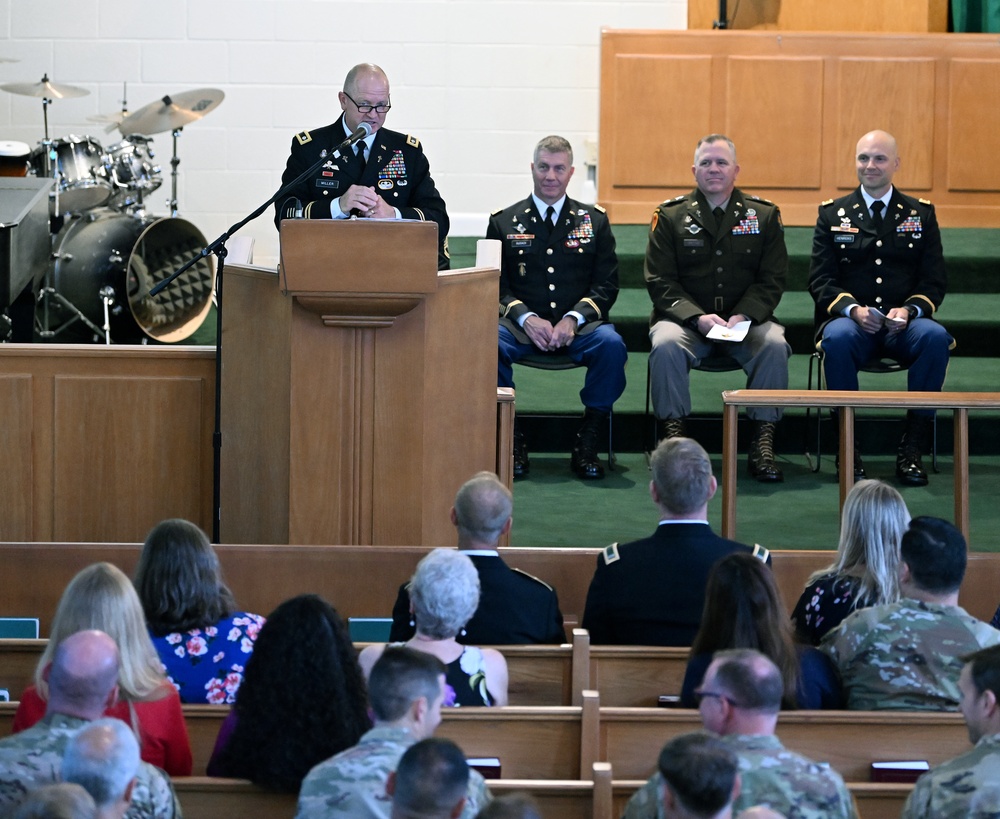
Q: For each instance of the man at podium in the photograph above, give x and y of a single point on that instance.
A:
(558, 280)
(385, 175)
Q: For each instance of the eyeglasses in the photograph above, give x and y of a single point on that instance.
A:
(700, 694)
(367, 109)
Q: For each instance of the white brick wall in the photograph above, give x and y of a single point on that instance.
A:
(478, 81)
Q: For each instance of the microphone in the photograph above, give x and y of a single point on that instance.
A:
(363, 131)
(291, 208)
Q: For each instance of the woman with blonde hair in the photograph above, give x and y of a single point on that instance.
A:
(444, 594)
(101, 597)
(866, 570)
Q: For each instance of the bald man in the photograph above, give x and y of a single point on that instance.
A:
(384, 176)
(82, 681)
(877, 277)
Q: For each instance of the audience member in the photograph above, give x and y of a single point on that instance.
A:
(430, 781)
(744, 609)
(740, 700)
(407, 690)
(716, 257)
(511, 806)
(866, 570)
(905, 655)
(444, 594)
(514, 607)
(877, 282)
(652, 591)
(81, 681)
(60, 800)
(101, 597)
(558, 283)
(202, 640)
(968, 785)
(104, 759)
(698, 779)
(302, 700)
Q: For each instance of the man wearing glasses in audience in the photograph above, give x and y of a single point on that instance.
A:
(383, 176)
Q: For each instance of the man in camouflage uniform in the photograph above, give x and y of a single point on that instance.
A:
(905, 655)
(406, 689)
(969, 785)
(740, 698)
(430, 782)
(83, 682)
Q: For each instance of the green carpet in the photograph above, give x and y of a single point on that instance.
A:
(554, 508)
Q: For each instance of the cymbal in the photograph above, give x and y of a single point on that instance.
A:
(172, 111)
(113, 118)
(45, 88)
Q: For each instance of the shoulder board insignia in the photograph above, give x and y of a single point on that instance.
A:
(826, 202)
(498, 210)
(610, 554)
(304, 137)
(412, 141)
(532, 577)
(599, 209)
(924, 201)
(759, 199)
(676, 201)
(761, 553)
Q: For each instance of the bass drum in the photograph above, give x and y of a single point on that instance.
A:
(108, 249)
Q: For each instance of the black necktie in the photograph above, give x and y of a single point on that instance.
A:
(361, 156)
(877, 206)
(550, 217)
(718, 213)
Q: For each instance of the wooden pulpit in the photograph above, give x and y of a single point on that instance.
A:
(358, 387)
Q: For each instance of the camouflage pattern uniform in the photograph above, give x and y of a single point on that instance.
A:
(966, 786)
(352, 783)
(33, 758)
(770, 775)
(905, 655)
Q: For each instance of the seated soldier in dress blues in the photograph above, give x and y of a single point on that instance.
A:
(384, 176)
(558, 281)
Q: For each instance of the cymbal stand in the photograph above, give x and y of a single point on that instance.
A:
(46, 295)
(174, 162)
(49, 166)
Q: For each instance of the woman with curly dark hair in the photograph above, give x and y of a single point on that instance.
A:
(303, 699)
(203, 641)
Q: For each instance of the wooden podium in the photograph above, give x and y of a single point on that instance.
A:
(359, 392)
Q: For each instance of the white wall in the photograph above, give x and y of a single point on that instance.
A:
(477, 81)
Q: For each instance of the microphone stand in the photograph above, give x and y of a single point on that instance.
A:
(722, 22)
(218, 247)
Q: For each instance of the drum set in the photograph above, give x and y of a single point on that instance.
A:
(107, 251)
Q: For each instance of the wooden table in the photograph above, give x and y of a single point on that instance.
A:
(848, 401)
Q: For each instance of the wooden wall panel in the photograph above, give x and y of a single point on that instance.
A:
(976, 85)
(16, 484)
(796, 103)
(679, 88)
(896, 96)
(757, 90)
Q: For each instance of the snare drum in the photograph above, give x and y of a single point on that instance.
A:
(14, 158)
(132, 168)
(79, 169)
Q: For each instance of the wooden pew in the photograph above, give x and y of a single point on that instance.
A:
(18, 659)
(874, 800)
(37, 573)
(631, 738)
(205, 797)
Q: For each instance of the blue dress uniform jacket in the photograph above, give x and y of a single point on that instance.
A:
(396, 168)
(694, 268)
(651, 592)
(899, 266)
(573, 267)
(514, 608)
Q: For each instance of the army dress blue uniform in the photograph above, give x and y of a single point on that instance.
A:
(573, 267)
(397, 168)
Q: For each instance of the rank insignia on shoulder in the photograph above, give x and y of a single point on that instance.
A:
(760, 552)
(825, 202)
(924, 201)
(412, 141)
(759, 199)
(611, 554)
(599, 209)
(304, 137)
(498, 210)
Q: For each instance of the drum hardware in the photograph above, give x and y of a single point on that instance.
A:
(108, 297)
(114, 119)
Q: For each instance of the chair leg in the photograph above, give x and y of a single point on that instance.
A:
(611, 441)
(816, 359)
